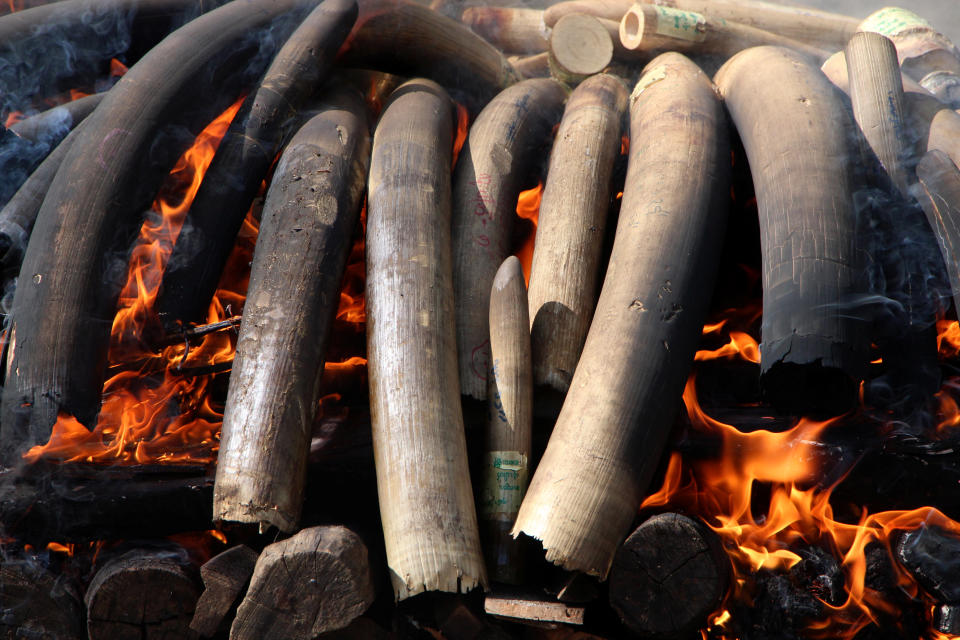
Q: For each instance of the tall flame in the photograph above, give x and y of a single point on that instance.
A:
(528, 208)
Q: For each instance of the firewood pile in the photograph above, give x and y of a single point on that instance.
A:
(398, 319)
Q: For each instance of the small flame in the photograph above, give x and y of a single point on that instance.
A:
(741, 345)
(624, 144)
(56, 547)
(13, 118)
(948, 338)
(117, 68)
(463, 126)
(528, 208)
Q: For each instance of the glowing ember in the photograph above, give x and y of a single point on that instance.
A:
(463, 126)
(948, 338)
(528, 208)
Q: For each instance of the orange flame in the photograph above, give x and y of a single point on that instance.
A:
(463, 126)
(948, 338)
(142, 420)
(741, 344)
(13, 118)
(117, 68)
(528, 208)
(723, 492)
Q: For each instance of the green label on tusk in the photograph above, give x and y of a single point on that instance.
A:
(504, 484)
(892, 21)
(683, 25)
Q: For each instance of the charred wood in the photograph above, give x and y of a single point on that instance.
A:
(931, 555)
(317, 581)
(34, 603)
(501, 157)
(142, 595)
(309, 217)
(63, 312)
(401, 37)
(225, 579)
(426, 500)
(668, 576)
(814, 350)
(624, 396)
(243, 158)
(566, 268)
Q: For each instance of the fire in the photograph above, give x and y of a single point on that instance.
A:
(528, 208)
(142, 419)
(741, 344)
(463, 126)
(948, 338)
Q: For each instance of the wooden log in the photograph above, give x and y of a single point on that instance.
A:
(426, 502)
(306, 233)
(648, 27)
(532, 610)
(920, 47)
(317, 581)
(500, 158)
(608, 9)
(510, 408)
(34, 603)
(243, 159)
(142, 595)
(54, 124)
(572, 223)
(511, 29)
(63, 313)
(876, 93)
(646, 328)
(669, 575)
(939, 194)
(580, 46)
(945, 87)
(823, 29)
(225, 579)
(20, 214)
(408, 39)
(815, 342)
(120, 504)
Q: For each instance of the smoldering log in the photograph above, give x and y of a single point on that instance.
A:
(920, 47)
(511, 29)
(426, 501)
(931, 554)
(63, 310)
(141, 595)
(58, 46)
(939, 194)
(243, 159)
(580, 46)
(822, 29)
(115, 504)
(506, 467)
(647, 27)
(571, 226)
(317, 581)
(54, 124)
(408, 39)
(225, 579)
(795, 130)
(34, 603)
(646, 328)
(499, 159)
(668, 576)
(306, 233)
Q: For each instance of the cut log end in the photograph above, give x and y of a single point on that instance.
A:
(225, 577)
(668, 576)
(580, 46)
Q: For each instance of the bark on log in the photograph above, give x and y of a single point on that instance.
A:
(243, 159)
(225, 579)
(20, 214)
(306, 233)
(669, 575)
(509, 438)
(646, 328)
(876, 93)
(647, 27)
(920, 47)
(426, 502)
(317, 581)
(36, 604)
(500, 158)
(62, 313)
(142, 595)
(580, 46)
(815, 338)
(571, 227)
(404, 38)
(939, 195)
(510, 29)
(87, 33)
(822, 29)
(54, 124)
